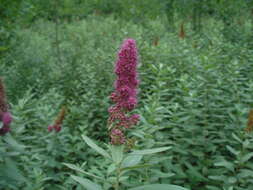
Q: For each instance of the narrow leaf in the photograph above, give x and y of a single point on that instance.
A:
(117, 153)
(89, 185)
(96, 147)
(131, 160)
(73, 167)
(136, 167)
(14, 144)
(232, 150)
(225, 164)
(236, 138)
(158, 186)
(149, 151)
(246, 157)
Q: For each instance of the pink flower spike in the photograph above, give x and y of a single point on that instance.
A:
(124, 96)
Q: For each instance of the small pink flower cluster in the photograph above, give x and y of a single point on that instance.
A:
(117, 137)
(125, 94)
(57, 128)
(58, 122)
(6, 118)
(5, 115)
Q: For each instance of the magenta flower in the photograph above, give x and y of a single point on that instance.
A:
(7, 118)
(57, 128)
(5, 115)
(117, 137)
(50, 128)
(125, 69)
(125, 94)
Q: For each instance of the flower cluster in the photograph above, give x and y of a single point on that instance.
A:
(58, 122)
(125, 94)
(5, 115)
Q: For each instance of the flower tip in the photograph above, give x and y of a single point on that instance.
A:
(131, 40)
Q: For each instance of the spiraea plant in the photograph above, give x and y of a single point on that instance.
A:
(5, 115)
(10, 150)
(121, 119)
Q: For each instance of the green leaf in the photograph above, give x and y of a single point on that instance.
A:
(160, 174)
(158, 187)
(111, 168)
(232, 180)
(149, 151)
(2, 48)
(14, 144)
(10, 170)
(194, 172)
(246, 157)
(96, 147)
(71, 166)
(218, 178)
(232, 150)
(225, 164)
(89, 185)
(236, 138)
(117, 153)
(209, 187)
(136, 167)
(177, 168)
(245, 173)
(131, 160)
(123, 178)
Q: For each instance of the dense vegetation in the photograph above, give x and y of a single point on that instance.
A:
(195, 93)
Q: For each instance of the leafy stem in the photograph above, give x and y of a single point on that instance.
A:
(117, 177)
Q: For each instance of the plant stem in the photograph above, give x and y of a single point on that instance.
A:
(117, 178)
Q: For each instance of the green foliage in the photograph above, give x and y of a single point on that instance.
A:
(10, 174)
(118, 169)
(159, 186)
(195, 93)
